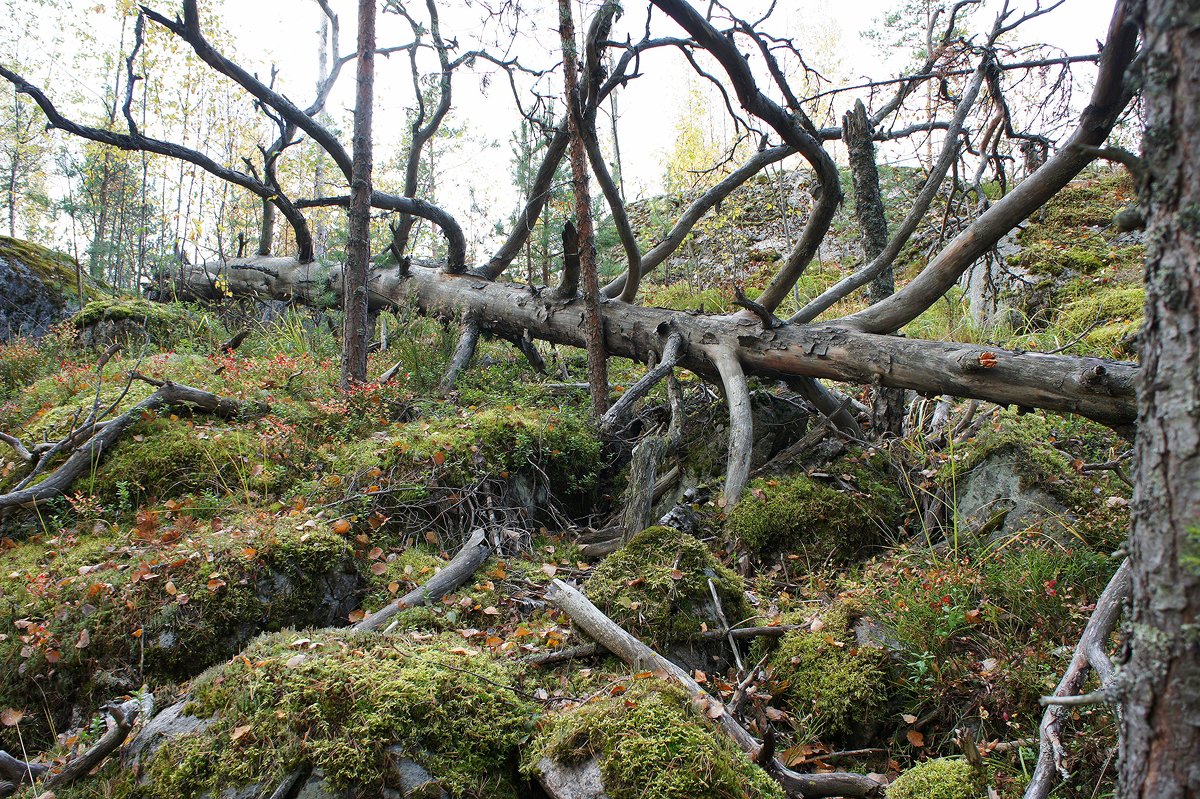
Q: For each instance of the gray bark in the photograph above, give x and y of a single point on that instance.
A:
(1099, 389)
(1160, 724)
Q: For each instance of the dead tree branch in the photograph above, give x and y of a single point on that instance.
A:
(640, 657)
(460, 568)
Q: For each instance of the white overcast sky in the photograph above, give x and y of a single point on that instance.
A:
(283, 33)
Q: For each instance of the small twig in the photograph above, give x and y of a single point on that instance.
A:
(770, 321)
(1100, 697)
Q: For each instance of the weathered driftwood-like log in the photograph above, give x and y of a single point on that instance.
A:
(1089, 653)
(722, 349)
(591, 650)
(460, 568)
(1099, 389)
(637, 655)
(89, 452)
(16, 772)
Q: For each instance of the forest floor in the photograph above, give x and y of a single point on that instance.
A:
(918, 594)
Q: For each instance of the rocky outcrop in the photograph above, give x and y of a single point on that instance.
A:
(38, 287)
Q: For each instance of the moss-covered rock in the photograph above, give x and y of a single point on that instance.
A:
(656, 586)
(84, 618)
(651, 743)
(1012, 477)
(338, 701)
(40, 288)
(836, 513)
(132, 321)
(828, 684)
(167, 457)
(943, 778)
(500, 442)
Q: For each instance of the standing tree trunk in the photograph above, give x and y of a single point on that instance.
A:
(597, 359)
(887, 412)
(1160, 726)
(356, 326)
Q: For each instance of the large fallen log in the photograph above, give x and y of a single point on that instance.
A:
(638, 656)
(1099, 389)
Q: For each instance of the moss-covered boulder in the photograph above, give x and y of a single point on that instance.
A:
(1012, 478)
(829, 686)
(40, 288)
(84, 618)
(657, 587)
(351, 706)
(650, 741)
(133, 321)
(943, 778)
(165, 456)
(834, 513)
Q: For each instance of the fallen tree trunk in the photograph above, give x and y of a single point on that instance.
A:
(637, 655)
(1098, 389)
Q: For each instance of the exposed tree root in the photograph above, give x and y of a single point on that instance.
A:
(467, 341)
(615, 418)
(741, 422)
(637, 655)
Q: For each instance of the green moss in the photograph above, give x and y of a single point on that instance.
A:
(410, 568)
(651, 743)
(656, 586)
(827, 684)
(1028, 440)
(165, 325)
(1091, 201)
(159, 603)
(496, 442)
(164, 457)
(55, 269)
(835, 516)
(337, 701)
(943, 778)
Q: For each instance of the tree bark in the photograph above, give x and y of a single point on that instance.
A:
(358, 247)
(887, 411)
(1161, 721)
(593, 322)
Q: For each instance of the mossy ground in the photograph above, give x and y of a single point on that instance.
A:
(657, 586)
(650, 741)
(833, 513)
